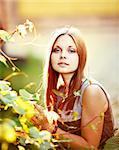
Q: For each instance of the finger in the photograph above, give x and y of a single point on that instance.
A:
(38, 107)
(35, 121)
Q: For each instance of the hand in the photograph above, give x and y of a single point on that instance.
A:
(40, 120)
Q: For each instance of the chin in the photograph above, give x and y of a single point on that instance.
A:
(65, 71)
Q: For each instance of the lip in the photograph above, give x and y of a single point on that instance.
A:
(62, 63)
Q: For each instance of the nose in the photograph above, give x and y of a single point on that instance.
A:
(63, 55)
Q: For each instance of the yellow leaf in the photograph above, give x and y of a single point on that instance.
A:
(23, 120)
(29, 114)
(75, 115)
(4, 92)
(6, 107)
(3, 60)
(93, 127)
(101, 115)
(9, 133)
(21, 147)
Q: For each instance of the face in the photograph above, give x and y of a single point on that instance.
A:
(64, 57)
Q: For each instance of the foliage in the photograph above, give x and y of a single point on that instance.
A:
(16, 112)
(17, 108)
(113, 142)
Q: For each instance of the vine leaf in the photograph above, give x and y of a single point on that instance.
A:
(75, 115)
(15, 74)
(8, 97)
(28, 96)
(8, 133)
(4, 85)
(58, 93)
(3, 60)
(46, 146)
(112, 143)
(25, 94)
(34, 132)
(77, 93)
(101, 115)
(21, 147)
(93, 127)
(5, 36)
(45, 135)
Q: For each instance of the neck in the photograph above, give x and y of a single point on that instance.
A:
(67, 79)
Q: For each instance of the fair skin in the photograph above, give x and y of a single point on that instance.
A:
(91, 109)
(64, 51)
(64, 57)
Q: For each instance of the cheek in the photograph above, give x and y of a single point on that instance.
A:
(54, 61)
(75, 61)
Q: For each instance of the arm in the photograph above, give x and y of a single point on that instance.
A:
(94, 103)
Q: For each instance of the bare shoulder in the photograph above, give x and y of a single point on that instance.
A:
(95, 98)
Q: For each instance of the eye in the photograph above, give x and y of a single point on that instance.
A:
(56, 50)
(71, 50)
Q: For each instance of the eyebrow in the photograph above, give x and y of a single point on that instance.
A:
(71, 46)
(57, 46)
(61, 48)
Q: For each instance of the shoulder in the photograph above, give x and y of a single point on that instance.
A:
(94, 98)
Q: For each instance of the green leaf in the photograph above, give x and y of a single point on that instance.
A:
(25, 95)
(3, 60)
(5, 36)
(112, 143)
(22, 106)
(10, 122)
(17, 122)
(46, 146)
(34, 132)
(77, 93)
(22, 141)
(21, 147)
(7, 99)
(36, 97)
(45, 135)
(58, 93)
(19, 110)
(4, 85)
(15, 74)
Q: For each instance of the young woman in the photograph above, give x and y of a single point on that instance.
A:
(82, 104)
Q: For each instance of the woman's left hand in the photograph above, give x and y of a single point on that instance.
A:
(40, 120)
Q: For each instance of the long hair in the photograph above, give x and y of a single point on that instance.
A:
(52, 76)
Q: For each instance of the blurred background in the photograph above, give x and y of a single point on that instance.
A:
(98, 21)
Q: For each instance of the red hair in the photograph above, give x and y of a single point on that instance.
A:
(52, 76)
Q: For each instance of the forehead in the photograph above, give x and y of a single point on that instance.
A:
(65, 40)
